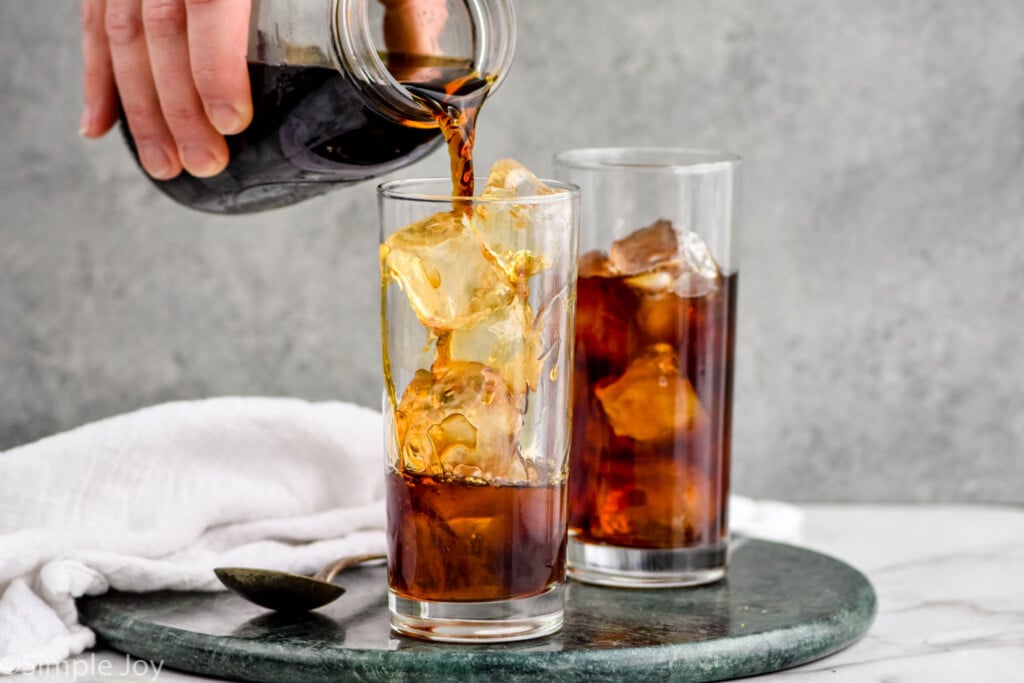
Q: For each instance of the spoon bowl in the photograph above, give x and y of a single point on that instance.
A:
(287, 592)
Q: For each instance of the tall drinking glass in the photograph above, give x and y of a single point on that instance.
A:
(478, 297)
(655, 328)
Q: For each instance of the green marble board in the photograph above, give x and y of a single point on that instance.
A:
(779, 606)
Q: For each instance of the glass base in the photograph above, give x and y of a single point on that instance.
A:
(497, 621)
(608, 565)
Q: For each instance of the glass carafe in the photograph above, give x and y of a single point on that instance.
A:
(330, 102)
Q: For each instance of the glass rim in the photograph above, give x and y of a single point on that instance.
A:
(405, 190)
(651, 159)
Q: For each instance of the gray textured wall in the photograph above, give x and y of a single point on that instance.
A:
(882, 256)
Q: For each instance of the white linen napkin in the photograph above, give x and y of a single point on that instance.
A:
(156, 498)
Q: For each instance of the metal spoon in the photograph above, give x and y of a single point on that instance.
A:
(287, 592)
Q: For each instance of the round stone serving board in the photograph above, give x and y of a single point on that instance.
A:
(779, 606)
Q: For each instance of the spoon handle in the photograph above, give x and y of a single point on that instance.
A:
(330, 571)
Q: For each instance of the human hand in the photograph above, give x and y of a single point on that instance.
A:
(179, 68)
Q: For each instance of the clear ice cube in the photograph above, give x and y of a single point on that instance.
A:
(439, 264)
(523, 238)
(659, 260)
(652, 400)
(644, 249)
(460, 421)
(507, 341)
(508, 179)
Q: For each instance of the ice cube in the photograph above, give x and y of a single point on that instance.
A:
(652, 401)
(645, 249)
(440, 265)
(656, 282)
(667, 293)
(660, 259)
(522, 238)
(676, 320)
(666, 503)
(460, 421)
(665, 318)
(596, 264)
(697, 256)
(688, 504)
(509, 179)
(507, 341)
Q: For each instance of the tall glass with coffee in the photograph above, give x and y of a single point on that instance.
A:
(478, 295)
(655, 333)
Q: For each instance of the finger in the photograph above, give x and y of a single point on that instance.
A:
(218, 39)
(134, 79)
(201, 148)
(99, 94)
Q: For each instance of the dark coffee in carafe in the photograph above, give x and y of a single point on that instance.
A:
(332, 106)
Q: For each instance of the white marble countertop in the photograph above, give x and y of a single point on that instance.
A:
(950, 584)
